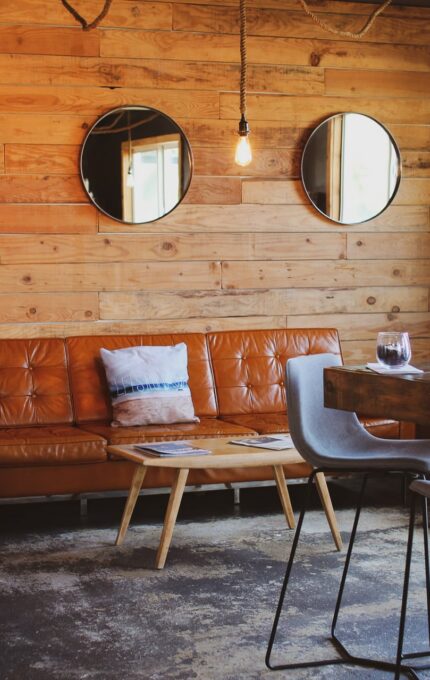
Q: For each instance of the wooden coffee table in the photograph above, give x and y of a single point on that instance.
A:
(223, 454)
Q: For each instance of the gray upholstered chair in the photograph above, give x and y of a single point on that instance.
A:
(333, 441)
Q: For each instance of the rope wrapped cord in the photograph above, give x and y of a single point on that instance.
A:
(347, 34)
(85, 25)
(243, 57)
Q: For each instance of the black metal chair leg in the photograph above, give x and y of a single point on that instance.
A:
(279, 608)
(346, 565)
(288, 572)
(405, 589)
(426, 557)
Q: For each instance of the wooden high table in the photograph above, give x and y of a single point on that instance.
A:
(222, 454)
(404, 397)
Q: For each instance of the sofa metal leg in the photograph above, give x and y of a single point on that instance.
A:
(236, 495)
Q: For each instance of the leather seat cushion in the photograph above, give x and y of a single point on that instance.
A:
(263, 423)
(381, 427)
(207, 427)
(48, 445)
(277, 423)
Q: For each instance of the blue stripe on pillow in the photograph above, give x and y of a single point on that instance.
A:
(120, 390)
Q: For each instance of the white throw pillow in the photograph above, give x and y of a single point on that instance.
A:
(149, 385)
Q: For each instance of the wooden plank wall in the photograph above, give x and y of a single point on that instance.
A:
(245, 249)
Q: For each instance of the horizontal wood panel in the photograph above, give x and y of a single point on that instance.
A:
(360, 352)
(264, 134)
(41, 189)
(35, 40)
(416, 163)
(36, 158)
(312, 110)
(279, 274)
(274, 218)
(288, 23)
(45, 219)
(266, 162)
(416, 137)
(113, 276)
(30, 307)
(43, 128)
(220, 190)
(153, 72)
(276, 192)
(37, 11)
(203, 325)
(413, 192)
(132, 248)
(402, 246)
(377, 83)
(2, 161)
(122, 13)
(93, 101)
(328, 7)
(260, 302)
(182, 46)
(366, 326)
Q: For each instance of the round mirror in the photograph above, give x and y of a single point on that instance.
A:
(351, 168)
(136, 164)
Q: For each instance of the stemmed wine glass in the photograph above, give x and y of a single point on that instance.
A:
(393, 349)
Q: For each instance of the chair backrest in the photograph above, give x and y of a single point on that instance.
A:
(321, 435)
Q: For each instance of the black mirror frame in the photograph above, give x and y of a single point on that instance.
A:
(399, 167)
(135, 108)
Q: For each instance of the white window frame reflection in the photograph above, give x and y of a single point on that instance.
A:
(365, 186)
(138, 207)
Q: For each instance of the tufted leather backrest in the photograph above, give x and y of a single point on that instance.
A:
(88, 380)
(249, 366)
(34, 385)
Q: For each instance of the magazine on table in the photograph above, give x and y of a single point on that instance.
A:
(394, 370)
(274, 442)
(170, 449)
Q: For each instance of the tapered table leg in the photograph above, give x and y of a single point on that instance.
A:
(324, 495)
(171, 515)
(284, 496)
(133, 494)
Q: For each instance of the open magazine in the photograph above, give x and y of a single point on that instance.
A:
(170, 449)
(273, 442)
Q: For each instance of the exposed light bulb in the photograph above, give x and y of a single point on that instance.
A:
(243, 154)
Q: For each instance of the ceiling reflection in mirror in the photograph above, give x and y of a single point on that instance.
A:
(351, 168)
(136, 164)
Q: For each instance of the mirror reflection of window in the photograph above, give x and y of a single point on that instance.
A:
(136, 164)
(369, 168)
(151, 177)
(351, 168)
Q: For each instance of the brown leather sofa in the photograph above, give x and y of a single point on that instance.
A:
(55, 410)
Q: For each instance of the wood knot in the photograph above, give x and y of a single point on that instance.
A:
(315, 59)
(359, 243)
(167, 245)
(32, 310)
(26, 278)
(371, 300)
(395, 309)
(396, 272)
(88, 313)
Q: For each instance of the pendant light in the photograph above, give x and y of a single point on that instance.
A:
(130, 171)
(243, 155)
